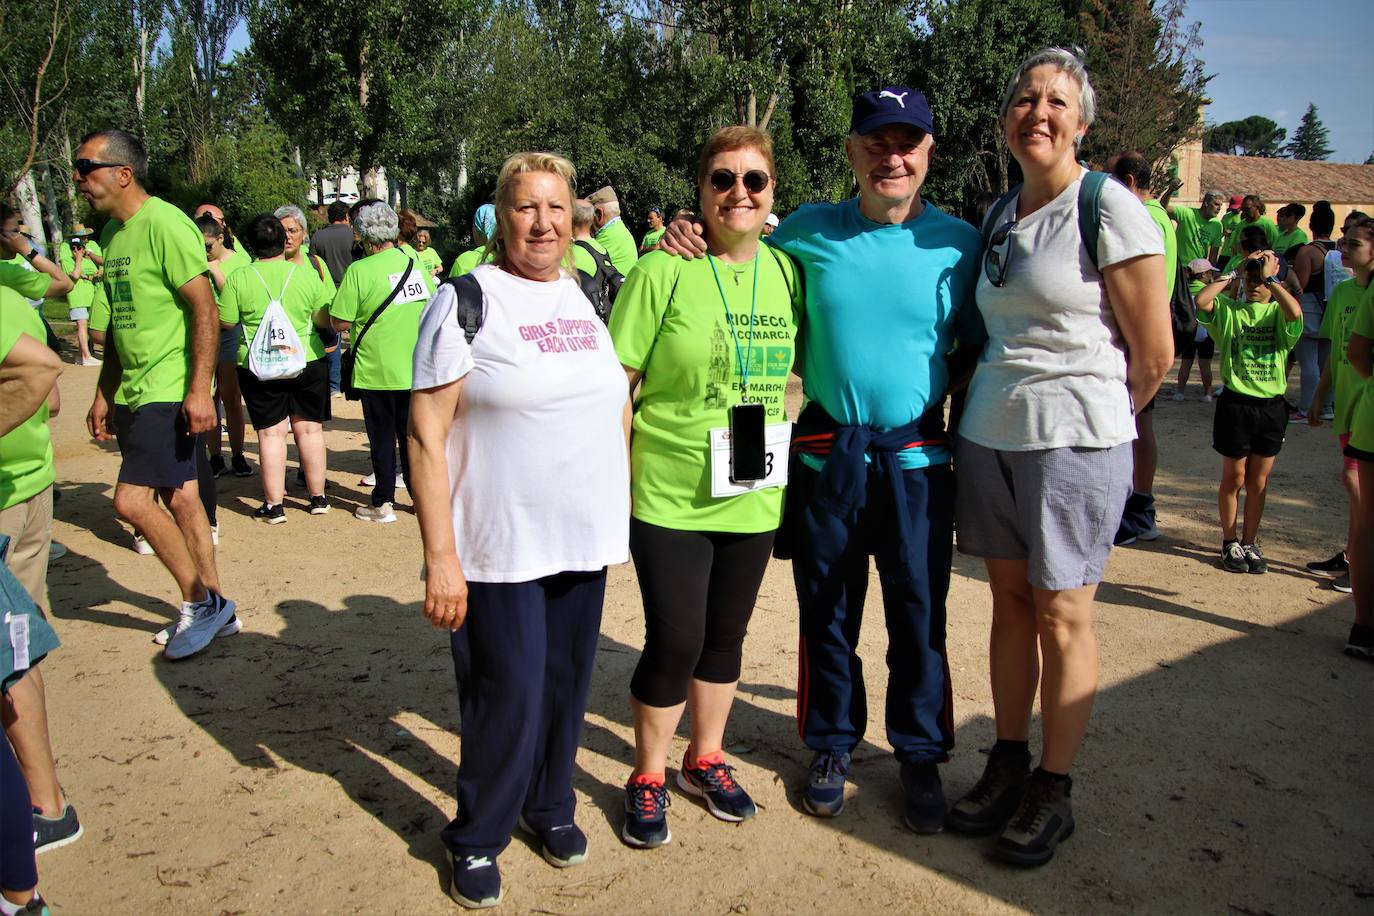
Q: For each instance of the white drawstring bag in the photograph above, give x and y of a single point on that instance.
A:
(276, 351)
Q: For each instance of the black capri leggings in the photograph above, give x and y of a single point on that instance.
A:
(699, 589)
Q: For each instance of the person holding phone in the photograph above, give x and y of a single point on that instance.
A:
(707, 345)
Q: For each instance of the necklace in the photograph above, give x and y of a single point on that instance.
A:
(737, 270)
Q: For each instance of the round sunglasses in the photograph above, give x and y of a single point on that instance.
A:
(755, 180)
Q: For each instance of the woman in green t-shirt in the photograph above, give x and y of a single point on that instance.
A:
(224, 260)
(1356, 245)
(1255, 329)
(699, 339)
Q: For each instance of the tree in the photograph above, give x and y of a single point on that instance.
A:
(1370, 160)
(1149, 82)
(1309, 141)
(35, 51)
(983, 41)
(1252, 136)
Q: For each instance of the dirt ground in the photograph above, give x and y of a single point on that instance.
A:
(307, 764)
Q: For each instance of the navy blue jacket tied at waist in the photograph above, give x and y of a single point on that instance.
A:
(843, 484)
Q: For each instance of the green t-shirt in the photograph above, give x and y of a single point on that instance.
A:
(384, 360)
(1195, 234)
(669, 323)
(1166, 228)
(466, 261)
(82, 295)
(31, 284)
(1286, 240)
(583, 258)
(1362, 410)
(1337, 323)
(26, 452)
(147, 260)
(1254, 339)
(651, 239)
(297, 286)
(1271, 231)
(430, 258)
(237, 260)
(409, 250)
(619, 244)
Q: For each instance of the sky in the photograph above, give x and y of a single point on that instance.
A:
(1273, 57)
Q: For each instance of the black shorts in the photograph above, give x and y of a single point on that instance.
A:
(229, 343)
(1188, 347)
(1244, 426)
(156, 449)
(305, 397)
(1358, 454)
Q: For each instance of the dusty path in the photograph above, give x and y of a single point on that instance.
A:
(307, 764)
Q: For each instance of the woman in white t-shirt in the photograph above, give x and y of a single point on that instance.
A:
(1044, 456)
(521, 479)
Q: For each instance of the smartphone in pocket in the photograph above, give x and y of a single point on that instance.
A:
(747, 451)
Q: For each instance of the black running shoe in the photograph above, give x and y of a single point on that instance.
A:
(272, 515)
(1254, 560)
(1360, 643)
(1233, 558)
(241, 467)
(1334, 566)
(1042, 821)
(217, 465)
(925, 797)
(319, 505)
(993, 799)
(475, 881)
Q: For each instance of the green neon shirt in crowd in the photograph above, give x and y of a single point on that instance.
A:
(1337, 323)
(384, 360)
(1196, 236)
(147, 260)
(430, 258)
(1253, 339)
(245, 299)
(669, 323)
(651, 239)
(1362, 410)
(620, 245)
(1166, 228)
(31, 284)
(1271, 231)
(1286, 240)
(466, 261)
(26, 451)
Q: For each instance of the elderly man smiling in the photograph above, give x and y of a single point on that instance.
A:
(889, 286)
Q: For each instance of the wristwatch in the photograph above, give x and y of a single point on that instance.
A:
(1271, 281)
(33, 253)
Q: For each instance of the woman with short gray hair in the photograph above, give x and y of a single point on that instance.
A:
(1044, 456)
(381, 297)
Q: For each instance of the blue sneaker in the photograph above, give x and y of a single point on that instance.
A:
(824, 793)
(476, 881)
(646, 819)
(561, 847)
(713, 780)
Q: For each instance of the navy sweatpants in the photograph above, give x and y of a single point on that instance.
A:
(18, 871)
(830, 568)
(523, 659)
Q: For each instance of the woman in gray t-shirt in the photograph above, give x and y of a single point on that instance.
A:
(1044, 457)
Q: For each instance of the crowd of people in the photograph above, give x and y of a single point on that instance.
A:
(648, 378)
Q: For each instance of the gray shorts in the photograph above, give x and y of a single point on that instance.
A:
(1057, 509)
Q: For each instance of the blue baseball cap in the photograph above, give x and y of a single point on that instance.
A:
(891, 105)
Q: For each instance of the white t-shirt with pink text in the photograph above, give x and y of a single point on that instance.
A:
(537, 462)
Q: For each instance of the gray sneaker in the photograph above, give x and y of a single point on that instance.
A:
(55, 832)
(382, 513)
(207, 619)
(993, 799)
(1042, 821)
(1233, 558)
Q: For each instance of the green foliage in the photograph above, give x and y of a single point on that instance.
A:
(1252, 136)
(1309, 141)
(1150, 87)
(984, 41)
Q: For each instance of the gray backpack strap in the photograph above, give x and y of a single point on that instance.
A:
(994, 215)
(1090, 211)
(471, 310)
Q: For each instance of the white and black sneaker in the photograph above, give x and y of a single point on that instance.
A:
(208, 617)
(272, 515)
(319, 505)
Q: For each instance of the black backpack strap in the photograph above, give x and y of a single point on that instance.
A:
(995, 214)
(471, 307)
(396, 291)
(600, 259)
